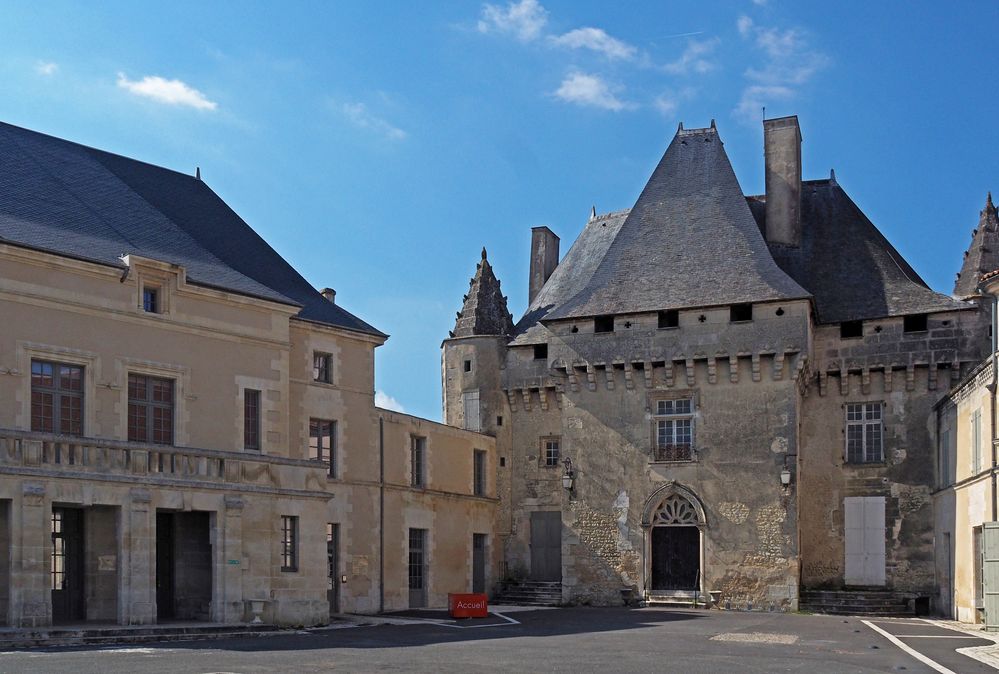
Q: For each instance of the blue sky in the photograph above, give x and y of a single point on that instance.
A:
(379, 146)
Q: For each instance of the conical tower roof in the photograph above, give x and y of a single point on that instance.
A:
(484, 311)
(982, 255)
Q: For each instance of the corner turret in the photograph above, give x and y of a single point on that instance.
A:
(484, 311)
(982, 255)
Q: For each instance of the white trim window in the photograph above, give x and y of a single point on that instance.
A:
(865, 432)
(673, 423)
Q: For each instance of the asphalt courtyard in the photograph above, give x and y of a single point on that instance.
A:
(559, 640)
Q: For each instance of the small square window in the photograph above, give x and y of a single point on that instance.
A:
(540, 352)
(468, 366)
(851, 329)
(914, 323)
(603, 324)
(740, 313)
(669, 318)
(151, 300)
(322, 368)
(499, 421)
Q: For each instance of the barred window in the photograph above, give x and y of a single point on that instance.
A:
(56, 398)
(864, 430)
(289, 543)
(150, 409)
(417, 461)
(251, 419)
(674, 430)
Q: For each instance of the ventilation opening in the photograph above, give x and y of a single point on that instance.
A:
(603, 324)
(739, 313)
(669, 318)
(499, 421)
(540, 351)
(468, 366)
(914, 323)
(502, 462)
(851, 329)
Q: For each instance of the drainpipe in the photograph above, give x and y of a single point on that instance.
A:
(381, 514)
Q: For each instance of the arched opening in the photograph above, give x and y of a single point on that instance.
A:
(674, 524)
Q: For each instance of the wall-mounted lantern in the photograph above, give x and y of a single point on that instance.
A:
(785, 477)
(568, 475)
(343, 579)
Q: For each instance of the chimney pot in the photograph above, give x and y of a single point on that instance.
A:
(544, 259)
(329, 294)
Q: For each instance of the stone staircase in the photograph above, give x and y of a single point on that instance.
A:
(529, 593)
(678, 599)
(855, 602)
(98, 635)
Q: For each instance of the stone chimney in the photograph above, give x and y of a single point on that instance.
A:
(544, 259)
(782, 147)
(329, 294)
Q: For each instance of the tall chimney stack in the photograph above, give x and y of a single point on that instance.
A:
(782, 147)
(544, 259)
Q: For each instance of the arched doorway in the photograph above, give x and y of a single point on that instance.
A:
(674, 524)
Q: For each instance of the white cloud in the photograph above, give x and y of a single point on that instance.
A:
(387, 402)
(46, 68)
(171, 92)
(589, 90)
(359, 115)
(524, 20)
(596, 39)
(694, 58)
(759, 2)
(788, 62)
(665, 104)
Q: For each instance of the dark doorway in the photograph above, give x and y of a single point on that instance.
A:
(183, 566)
(5, 549)
(417, 568)
(478, 563)
(676, 558)
(66, 569)
(333, 562)
(164, 566)
(546, 546)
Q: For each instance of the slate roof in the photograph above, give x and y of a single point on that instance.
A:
(573, 272)
(484, 311)
(88, 204)
(690, 240)
(851, 269)
(982, 255)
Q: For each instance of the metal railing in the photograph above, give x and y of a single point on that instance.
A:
(667, 453)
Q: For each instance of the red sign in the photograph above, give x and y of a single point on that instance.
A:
(468, 605)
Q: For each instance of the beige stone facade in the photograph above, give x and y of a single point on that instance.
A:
(95, 527)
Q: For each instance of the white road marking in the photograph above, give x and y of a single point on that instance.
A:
(932, 636)
(908, 649)
(471, 627)
(757, 638)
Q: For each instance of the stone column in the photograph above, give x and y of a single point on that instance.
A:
(30, 582)
(137, 592)
(229, 541)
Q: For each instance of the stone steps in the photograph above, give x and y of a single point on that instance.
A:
(855, 602)
(100, 636)
(530, 593)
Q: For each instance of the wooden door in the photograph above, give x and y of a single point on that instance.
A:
(546, 546)
(478, 563)
(864, 523)
(676, 558)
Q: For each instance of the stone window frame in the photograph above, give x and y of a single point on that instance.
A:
(90, 362)
(543, 450)
(654, 399)
(867, 424)
(330, 455)
(58, 394)
(418, 461)
(480, 472)
(159, 282)
(289, 543)
(181, 376)
(149, 405)
(322, 367)
(252, 419)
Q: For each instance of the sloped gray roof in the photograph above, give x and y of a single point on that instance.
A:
(573, 272)
(84, 203)
(690, 240)
(848, 266)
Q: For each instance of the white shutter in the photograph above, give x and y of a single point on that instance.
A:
(471, 404)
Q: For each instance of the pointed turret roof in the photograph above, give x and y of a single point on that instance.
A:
(689, 241)
(484, 311)
(982, 255)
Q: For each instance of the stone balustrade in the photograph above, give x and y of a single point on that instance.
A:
(57, 455)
